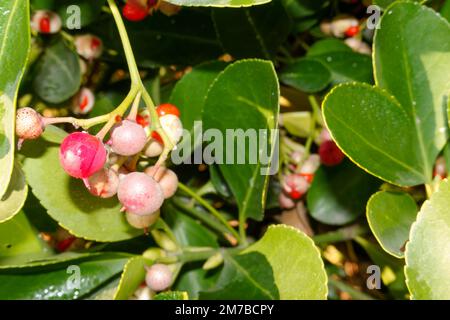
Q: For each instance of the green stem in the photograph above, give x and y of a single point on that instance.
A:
(343, 234)
(210, 208)
(202, 216)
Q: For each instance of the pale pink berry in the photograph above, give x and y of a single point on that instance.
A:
(172, 126)
(104, 183)
(295, 185)
(358, 46)
(45, 21)
(311, 164)
(285, 201)
(142, 222)
(81, 154)
(29, 124)
(153, 148)
(128, 138)
(159, 277)
(166, 178)
(89, 46)
(83, 102)
(140, 194)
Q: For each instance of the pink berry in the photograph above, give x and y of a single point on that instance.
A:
(142, 222)
(153, 149)
(330, 154)
(285, 201)
(89, 46)
(166, 178)
(295, 186)
(128, 138)
(29, 124)
(81, 154)
(140, 194)
(159, 277)
(104, 183)
(45, 21)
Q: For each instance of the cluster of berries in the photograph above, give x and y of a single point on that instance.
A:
(138, 10)
(301, 173)
(86, 157)
(347, 27)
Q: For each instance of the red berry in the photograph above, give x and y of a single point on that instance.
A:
(63, 245)
(134, 12)
(44, 25)
(330, 154)
(81, 155)
(167, 108)
(352, 31)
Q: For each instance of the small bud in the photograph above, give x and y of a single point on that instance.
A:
(213, 262)
(164, 241)
(152, 254)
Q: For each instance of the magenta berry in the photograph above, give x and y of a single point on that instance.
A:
(140, 194)
(29, 124)
(159, 277)
(128, 138)
(166, 178)
(104, 183)
(142, 222)
(81, 154)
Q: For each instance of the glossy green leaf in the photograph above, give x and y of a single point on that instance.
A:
(338, 195)
(198, 80)
(65, 282)
(412, 65)
(58, 75)
(390, 217)
(380, 139)
(306, 75)
(428, 248)
(252, 32)
(20, 241)
(297, 266)
(172, 295)
(67, 199)
(15, 196)
(218, 3)
(132, 276)
(246, 276)
(248, 88)
(187, 38)
(14, 46)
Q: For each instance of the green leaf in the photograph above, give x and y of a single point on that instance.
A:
(218, 3)
(252, 32)
(347, 66)
(218, 181)
(248, 88)
(187, 38)
(411, 64)
(132, 276)
(246, 276)
(89, 11)
(58, 74)
(445, 10)
(297, 266)
(198, 80)
(172, 295)
(338, 195)
(390, 216)
(61, 283)
(306, 75)
(15, 196)
(380, 139)
(67, 199)
(428, 248)
(327, 46)
(14, 47)
(20, 241)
